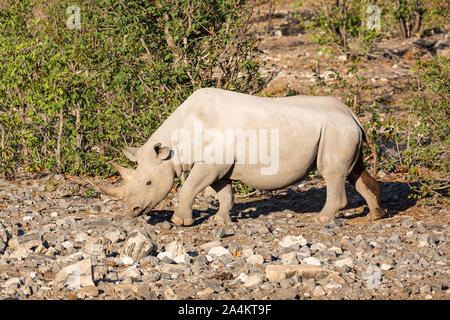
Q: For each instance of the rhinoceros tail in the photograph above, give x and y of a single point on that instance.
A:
(369, 143)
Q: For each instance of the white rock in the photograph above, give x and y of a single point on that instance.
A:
(26, 242)
(126, 260)
(336, 249)
(207, 246)
(12, 282)
(113, 236)
(246, 252)
(332, 285)
(77, 256)
(218, 251)
(75, 276)
(163, 254)
(290, 241)
(129, 272)
(81, 237)
(385, 267)
(318, 247)
(175, 249)
(51, 252)
(242, 277)
(289, 258)
(423, 243)
(318, 291)
(372, 277)
(253, 280)
(205, 292)
(182, 258)
(348, 261)
(278, 272)
(19, 254)
(312, 261)
(255, 259)
(95, 249)
(67, 244)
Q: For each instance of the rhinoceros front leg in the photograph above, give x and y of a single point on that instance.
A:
(201, 176)
(225, 195)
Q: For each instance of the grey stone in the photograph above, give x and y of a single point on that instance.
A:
(407, 223)
(75, 276)
(138, 245)
(218, 233)
(287, 294)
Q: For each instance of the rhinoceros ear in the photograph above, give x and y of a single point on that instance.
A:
(131, 153)
(162, 152)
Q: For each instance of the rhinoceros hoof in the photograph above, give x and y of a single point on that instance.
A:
(322, 219)
(217, 218)
(379, 213)
(179, 221)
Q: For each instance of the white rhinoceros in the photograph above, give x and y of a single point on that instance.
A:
(267, 143)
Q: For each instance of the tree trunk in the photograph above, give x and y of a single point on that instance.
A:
(78, 136)
(58, 141)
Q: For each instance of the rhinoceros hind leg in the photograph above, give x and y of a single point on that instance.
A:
(225, 195)
(368, 188)
(336, 197)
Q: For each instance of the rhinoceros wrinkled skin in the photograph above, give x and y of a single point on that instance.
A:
(267, 143)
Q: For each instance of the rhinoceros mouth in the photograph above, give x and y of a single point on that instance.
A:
(147, 209)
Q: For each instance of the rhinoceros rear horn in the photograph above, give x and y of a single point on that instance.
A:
(131, 153)
(126, 173)
(115, 192)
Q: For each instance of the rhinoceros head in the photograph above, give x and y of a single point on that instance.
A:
(145, 186)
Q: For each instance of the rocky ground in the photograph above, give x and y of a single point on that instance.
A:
(60, 241)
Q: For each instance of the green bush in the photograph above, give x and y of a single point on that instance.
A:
(349, 25)
(414, 16)
(420, 139)
(70, 98)
(342, 23)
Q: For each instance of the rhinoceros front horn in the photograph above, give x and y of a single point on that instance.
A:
(115, 192)
(126, 173)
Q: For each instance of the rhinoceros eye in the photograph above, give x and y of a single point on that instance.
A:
(148, 182)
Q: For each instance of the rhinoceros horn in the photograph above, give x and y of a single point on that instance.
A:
(126, 173)
(115, 192)
(131, 153)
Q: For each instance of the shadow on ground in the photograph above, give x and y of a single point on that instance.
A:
(394, 198)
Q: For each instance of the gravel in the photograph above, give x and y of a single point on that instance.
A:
(88, 250)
